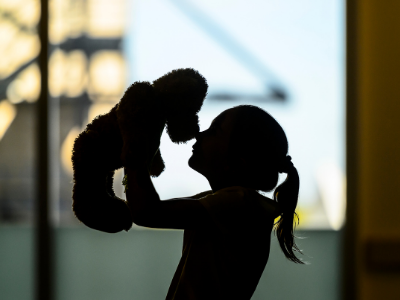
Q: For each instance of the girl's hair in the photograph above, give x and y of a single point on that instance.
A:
(259, 138)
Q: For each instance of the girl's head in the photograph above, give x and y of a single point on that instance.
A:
(245, 146)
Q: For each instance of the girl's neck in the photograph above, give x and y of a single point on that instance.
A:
(222, 182)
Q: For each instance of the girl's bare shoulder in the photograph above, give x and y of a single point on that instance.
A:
(200, 195)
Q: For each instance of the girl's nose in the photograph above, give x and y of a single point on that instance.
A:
(197, 136)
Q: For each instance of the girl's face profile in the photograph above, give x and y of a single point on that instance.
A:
(210, 151)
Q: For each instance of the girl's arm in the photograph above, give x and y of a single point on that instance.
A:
(140, 192)
(149, 211)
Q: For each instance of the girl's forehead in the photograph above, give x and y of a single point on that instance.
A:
(225, 120)
(218, 119)
(226, 115)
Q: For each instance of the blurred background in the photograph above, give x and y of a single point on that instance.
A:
(287, 57)
(284, 56)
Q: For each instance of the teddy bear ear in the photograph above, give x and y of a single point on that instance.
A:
(182, 128)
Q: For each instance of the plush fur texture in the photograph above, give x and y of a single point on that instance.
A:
(126, 135)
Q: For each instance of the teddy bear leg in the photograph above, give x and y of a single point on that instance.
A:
(96, 208)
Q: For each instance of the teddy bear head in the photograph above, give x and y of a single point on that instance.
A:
(181, 93)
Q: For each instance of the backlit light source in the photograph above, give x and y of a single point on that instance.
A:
(16, 47)
(332, 186)
(107, 76)
(106, 18)
(26, 87)
(66, 149)
(7, 115)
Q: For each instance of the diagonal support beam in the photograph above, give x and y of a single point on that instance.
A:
(236, 49)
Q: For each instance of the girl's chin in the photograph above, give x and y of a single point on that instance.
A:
(194, 162)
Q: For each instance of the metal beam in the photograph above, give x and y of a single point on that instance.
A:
(349, 263)
(43, 232)
(236, 49)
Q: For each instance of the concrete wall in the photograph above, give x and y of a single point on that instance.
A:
(140, 264)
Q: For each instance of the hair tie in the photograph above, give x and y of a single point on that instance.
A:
(286, 165)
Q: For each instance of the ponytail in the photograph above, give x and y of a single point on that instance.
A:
(286, 195)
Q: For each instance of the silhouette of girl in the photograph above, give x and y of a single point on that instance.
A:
(227, 230)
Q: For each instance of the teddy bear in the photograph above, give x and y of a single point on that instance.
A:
(125, 136)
